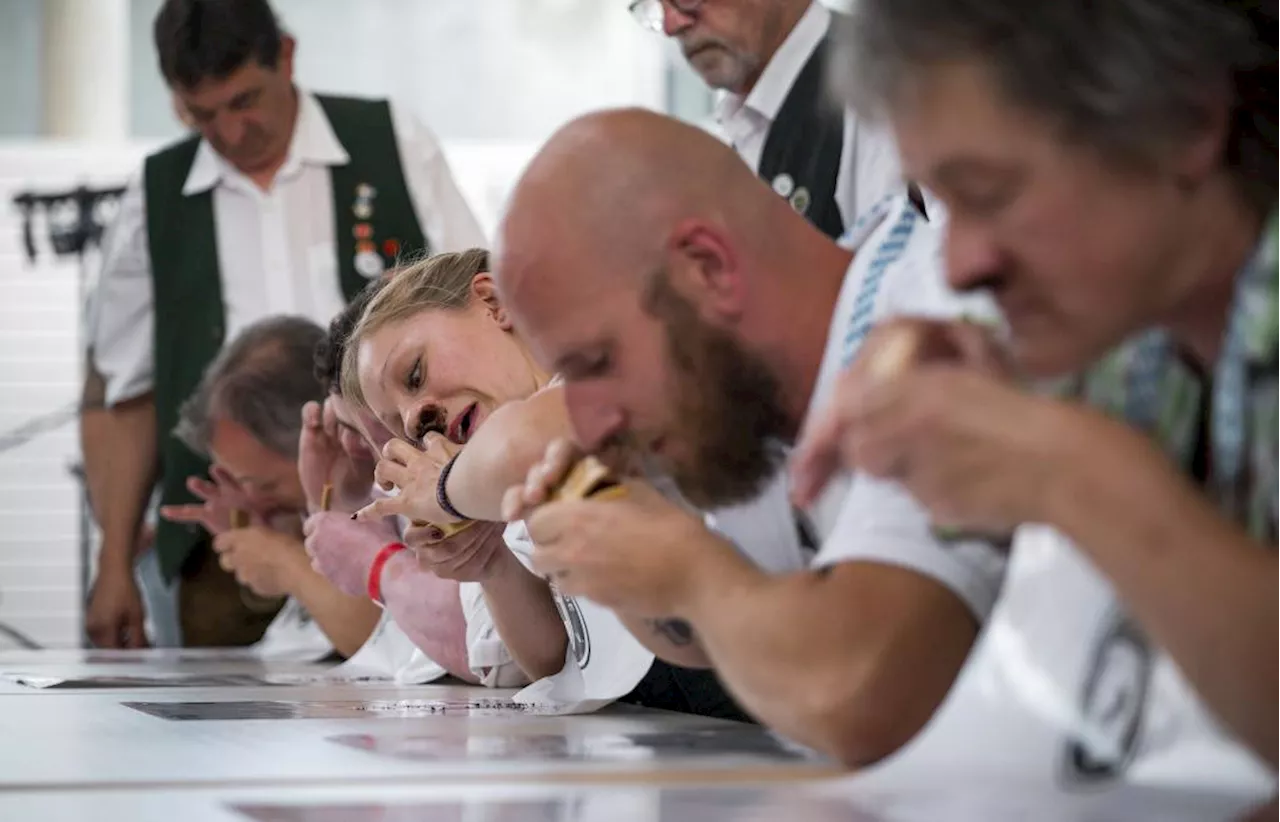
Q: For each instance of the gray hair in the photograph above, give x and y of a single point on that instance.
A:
(260, 381)
(1124, 76)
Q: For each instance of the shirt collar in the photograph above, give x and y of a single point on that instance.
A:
(775, 82)
(313, 143)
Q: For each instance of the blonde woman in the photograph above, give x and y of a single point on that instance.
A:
(435, 359)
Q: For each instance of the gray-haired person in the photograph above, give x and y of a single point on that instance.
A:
(1110, 174)
(246, 416)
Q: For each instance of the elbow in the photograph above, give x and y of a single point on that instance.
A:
(852, 734)
(541, 665)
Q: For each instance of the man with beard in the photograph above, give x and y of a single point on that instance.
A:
(1126, 225)
(680, 330)
(285, 202)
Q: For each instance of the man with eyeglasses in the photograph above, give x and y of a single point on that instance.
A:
(768, 58)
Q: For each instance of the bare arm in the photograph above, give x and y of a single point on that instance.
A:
(429, 612)
(671, 639)
(1202, 588)
(852, 661)
(525, 615)
(121, 465)
(346, 620)
(511, 441)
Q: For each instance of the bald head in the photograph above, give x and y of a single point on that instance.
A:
(612, 186)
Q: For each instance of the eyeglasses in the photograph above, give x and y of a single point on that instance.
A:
(649, 13)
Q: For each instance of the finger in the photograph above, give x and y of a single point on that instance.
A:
(513, 504)
(202, 488)
(816, 457)
(192, 513)
(226, 561)
(389, 473)
(380, 508)
(399, 452)
(311, 413)
(547, 523)
(439, 446)
(135, 634)
(329, 419)
(312, 523)
(560, 457)
(223, 478)
(224, 542)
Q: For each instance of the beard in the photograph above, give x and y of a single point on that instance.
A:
(727, 403)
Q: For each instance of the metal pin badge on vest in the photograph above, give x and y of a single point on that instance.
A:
(800, 200)
(368, 263)
(784, 185)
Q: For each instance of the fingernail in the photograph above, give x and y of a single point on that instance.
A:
(353, 516)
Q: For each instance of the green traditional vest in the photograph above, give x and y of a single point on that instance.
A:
(373, 214)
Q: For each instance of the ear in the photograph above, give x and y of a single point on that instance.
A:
(485, 292)
(706, 269)
(284, 63)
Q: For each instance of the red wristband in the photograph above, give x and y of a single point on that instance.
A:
(380, 562)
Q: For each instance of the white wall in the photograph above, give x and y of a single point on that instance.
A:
(472, 69)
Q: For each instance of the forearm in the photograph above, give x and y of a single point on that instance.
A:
(852, 662)
(501, 453)
(428, 610)
(525, 615)
(672, 640)
(346, 620)
(121, 467)
(1198, 585)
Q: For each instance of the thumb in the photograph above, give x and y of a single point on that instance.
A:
(816, 457)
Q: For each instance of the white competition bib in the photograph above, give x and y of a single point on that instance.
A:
(1062, 692)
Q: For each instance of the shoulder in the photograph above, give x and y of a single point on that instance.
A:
(174, 158)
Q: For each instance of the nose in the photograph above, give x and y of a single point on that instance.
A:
(674, 21)
(594, 417)
(229, 129)
(411, 414)
(972, 255)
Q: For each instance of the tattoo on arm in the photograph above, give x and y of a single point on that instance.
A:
(676, 631)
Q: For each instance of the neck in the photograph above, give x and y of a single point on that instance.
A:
(800, 320)
(789, 18)
(1224, 239)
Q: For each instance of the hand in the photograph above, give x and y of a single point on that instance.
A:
(266, 562)
(416, 474)
(640, 554)
(473, 555)
(543, 479)
(219, 496)
(114, 617)
(342, 551)
(974, 449)
(329, 454)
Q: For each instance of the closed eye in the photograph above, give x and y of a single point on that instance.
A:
(413, 381)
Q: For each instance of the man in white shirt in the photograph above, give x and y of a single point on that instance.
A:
(770, 60)
(699, 347)
(286, 203)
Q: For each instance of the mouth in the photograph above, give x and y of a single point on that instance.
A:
(465, 424)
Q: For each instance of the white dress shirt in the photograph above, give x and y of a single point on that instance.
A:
(276, 248)
(869, 165)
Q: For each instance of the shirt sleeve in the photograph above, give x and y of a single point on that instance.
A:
(869, 167)
(881, 522)
(487, 654)
(121, 312)
(442, 211)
